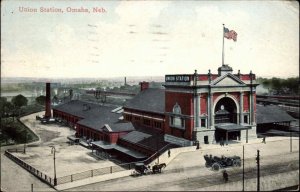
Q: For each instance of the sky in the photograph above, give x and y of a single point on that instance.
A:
(148, 38)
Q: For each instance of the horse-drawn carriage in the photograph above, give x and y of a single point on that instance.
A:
(221, 162)
(157, 168)
(142, 169)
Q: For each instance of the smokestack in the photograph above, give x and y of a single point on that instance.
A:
(144, 85)
(48, 101)
(125, 83)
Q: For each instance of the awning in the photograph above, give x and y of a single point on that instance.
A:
(72, 138)
(129, 152)
(106, 146)
(232, 127)
(103, 145)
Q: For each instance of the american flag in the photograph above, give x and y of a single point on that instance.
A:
(230, 34)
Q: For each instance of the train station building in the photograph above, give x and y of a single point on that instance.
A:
(205, 108)
(189, 109)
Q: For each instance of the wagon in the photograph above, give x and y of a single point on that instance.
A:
(142, 169)
(217, 163)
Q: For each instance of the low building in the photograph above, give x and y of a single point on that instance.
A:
(93, 122)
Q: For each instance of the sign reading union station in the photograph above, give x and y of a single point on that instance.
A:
(177, 78)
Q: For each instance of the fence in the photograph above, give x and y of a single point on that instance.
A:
(93, 172)
(15, 150)
(107, 170)
(84, 174)
(42, 176)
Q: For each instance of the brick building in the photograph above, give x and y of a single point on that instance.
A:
(204, 108)
(198, 107)
(93, 121)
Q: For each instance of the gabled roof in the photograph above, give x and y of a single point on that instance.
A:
(271, 114)
(121, 126)
(150, 141)
(95, 116)
(152, 100)
(228, 79)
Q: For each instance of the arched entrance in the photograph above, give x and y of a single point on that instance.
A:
(226, 112)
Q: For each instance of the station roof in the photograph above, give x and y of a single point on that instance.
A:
(151, 99)
(152, 140)
(95, 116)
(271, 114)
(132, 153)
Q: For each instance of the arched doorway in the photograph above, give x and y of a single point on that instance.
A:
(226, 112)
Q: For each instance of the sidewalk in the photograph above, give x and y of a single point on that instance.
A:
(273, 146)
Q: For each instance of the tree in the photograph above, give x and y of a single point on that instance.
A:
(55, 99)
(276, 83)
(3, 101)
(19, 101)
(41, 100)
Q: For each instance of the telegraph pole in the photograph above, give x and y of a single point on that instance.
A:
(258, 173)
(53, 150)
(290, 138)
(243, 168)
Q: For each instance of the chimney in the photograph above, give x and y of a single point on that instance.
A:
(144, 85)
(125, 83)
(48, 101)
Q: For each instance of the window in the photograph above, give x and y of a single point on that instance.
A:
(245, 118)
(176, 119)
(137, 118)
(177, 122)
(203, 122)
(176, 109)
(146, 122)
(128, 117)
(157, 124)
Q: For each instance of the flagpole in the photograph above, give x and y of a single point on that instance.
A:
(223, 48)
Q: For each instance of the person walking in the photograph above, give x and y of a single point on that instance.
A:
(264, 140)
(222, 142)
(169, 153)
(225, 176)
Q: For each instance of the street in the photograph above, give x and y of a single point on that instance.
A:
(197, 177)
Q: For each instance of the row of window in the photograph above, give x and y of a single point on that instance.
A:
(146, 122)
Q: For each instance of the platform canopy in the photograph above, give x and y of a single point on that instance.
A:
(106, 146)
(232, 127)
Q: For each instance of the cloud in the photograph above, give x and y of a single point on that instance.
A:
(143, 41)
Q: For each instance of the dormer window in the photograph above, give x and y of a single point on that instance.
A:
(176, 118)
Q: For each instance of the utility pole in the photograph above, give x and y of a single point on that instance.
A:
(157, 148)
(53, 151)
(258, 173)
(290, 138)
(24, 151)
(243, 168)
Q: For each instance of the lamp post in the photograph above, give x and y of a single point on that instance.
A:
(25, 132)
(53, 151)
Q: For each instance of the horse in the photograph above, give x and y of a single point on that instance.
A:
(157, 168)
